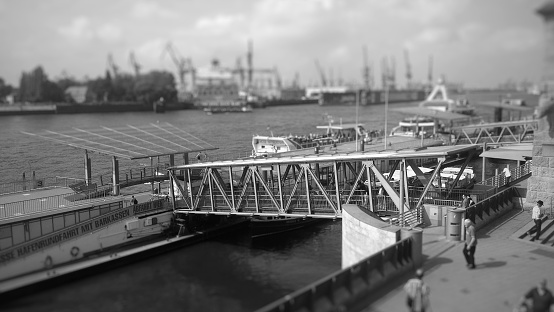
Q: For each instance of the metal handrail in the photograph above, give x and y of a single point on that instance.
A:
(500, 180)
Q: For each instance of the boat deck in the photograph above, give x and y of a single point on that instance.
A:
(34, 194)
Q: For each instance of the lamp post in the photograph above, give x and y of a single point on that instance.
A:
(356, 127)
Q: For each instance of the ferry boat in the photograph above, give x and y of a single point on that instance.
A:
(430, 115)
(334, 134)
(48, 225)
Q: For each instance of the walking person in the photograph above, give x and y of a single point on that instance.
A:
(470, 244)
(465, 201)
(507, 174)
(536, 215)
(540, 297)
(418, 294)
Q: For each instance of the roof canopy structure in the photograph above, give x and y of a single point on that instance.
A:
(428, 152)
(512, 107)
(510, 152)
(432, 113)
(130, 142)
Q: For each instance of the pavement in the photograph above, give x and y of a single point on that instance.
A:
(506, 268)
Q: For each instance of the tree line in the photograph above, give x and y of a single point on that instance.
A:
(36, 87)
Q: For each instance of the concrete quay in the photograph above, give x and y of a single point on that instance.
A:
(506, 268)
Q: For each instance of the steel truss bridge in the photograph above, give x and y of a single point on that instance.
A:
(496, 132)
(316, 185)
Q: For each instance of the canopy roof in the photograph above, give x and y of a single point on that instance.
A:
(510, 152)
(506, 106)
(341, 126)
(130, 142)
(427, 112)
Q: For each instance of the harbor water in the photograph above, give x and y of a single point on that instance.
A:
(231, 274)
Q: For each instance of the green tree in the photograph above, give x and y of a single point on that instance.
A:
(5, 89)
(35, 87)
(154, 85)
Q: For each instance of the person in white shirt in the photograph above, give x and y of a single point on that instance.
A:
(507, 173)
(536, 215)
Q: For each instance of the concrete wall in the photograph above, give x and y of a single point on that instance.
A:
(364, 235)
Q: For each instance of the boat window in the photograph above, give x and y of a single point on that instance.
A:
(46, 225)
(34, 229)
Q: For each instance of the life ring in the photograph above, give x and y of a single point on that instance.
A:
(48, 262)
(74, 251)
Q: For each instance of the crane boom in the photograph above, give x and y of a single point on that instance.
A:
(321, 73)
(179, 61)
(365, 70)
(408, 69)
(112, 65)
(133, 61)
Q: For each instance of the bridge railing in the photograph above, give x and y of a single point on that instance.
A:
(342, 289)
(501, 180)
(54, 202)
(36, 183)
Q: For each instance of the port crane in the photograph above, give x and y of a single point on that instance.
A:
(112, 65)
(366, 70)
(134, 64)
(408, 69)
(430, 72)
(321, 74)
(183, 65)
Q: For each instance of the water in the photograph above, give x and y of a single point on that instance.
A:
(231, 274)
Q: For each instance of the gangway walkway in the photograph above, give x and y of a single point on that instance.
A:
(307, 185)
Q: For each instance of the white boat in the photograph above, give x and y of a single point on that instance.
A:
(438, 100)
(430, 114)
(334, 134)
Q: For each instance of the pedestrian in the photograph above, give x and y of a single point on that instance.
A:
(537, 215)
(470, 244)
(540, 297)
(507, 174)
(465, 201)
(418, 294)
(134, 201)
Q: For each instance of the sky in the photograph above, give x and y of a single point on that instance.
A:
(479, 43)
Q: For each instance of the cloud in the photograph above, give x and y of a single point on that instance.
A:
(82, 29)
(422, 11)
(515, 39)
(148, 9)
(79, 28)
(218, 24)
(109, 32)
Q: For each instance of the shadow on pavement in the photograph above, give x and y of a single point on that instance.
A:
(491, 264)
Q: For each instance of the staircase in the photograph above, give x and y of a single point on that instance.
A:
(547, 233)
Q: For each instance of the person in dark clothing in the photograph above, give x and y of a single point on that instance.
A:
(540, 297)
(134, 201)
(470, 244)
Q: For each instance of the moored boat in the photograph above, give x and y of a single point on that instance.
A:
(334, 134)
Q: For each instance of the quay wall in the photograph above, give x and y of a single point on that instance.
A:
(364, 235)
(377, 254)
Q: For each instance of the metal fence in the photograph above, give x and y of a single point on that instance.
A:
(516, 173)
(52, 203)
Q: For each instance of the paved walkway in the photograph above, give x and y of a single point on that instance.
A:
(507, 267)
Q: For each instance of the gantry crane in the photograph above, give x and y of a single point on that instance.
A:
(321, 74)
(133, 62)
(408, 69)
(430, 73)
(366, 70)
(112, 65)
(183, 65)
